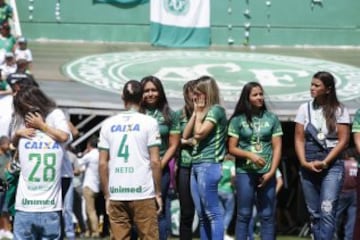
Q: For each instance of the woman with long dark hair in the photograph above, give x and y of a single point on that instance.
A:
(321, 134)
(184, 162)
(155, 104)
(41, 131)
(255, 140)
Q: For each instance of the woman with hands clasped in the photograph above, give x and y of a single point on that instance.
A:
(255, 140)
(321, 134)
(207, 127)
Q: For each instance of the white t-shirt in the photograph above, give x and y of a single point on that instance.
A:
(91, 161)
(127, 136)
(5, 114)
(317, 119)
(6, 69)
(41, 158)
(23, 54)
(67, 170)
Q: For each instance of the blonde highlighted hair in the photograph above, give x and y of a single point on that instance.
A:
(208, 86)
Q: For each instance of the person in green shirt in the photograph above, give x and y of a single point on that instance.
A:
(255, 140)
(187, 208)
(356, 133)
(155, 104)
(5, 158)
(6, 12)
(207, 127)
(226, 191)
(7, 40)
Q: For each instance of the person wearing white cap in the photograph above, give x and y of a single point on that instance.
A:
(22, 52)
(9, 66)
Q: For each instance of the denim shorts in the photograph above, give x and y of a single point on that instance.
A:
(37, 225)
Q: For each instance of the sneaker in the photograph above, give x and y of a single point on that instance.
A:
(8, 235)
(227, 237)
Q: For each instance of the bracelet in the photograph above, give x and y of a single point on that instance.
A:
(44, 128)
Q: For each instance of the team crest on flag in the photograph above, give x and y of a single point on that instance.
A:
(180, 23)
(177, 7)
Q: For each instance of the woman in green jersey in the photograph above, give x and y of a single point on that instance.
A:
(255, 140)
(155, 104)
(187, 208)
(207, 126)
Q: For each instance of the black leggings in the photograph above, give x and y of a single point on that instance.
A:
(187, 209)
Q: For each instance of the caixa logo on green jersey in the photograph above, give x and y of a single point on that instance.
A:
(177, 7)
(284, 78)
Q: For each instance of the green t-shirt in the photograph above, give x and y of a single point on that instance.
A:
(356, 122)
(186, 150)
(7, 43)
(356, 127)
(3, 85)
(228, 170)
(6, 12)
(164, 129)
(4, 160)
(264, 127)
(212, 147)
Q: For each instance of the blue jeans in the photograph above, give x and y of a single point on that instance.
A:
(227, 204)
(246, 188)
(321, 193)
(37, 225)
(204, 190)
(68, 212)
(163, 222)
(347, 207)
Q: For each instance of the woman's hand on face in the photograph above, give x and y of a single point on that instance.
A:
(26, 132)
(199, 103)
(34, 120)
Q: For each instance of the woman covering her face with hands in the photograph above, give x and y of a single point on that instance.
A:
(41, 131)
(207, 127)
(255, 140)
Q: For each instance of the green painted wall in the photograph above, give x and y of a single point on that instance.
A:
(284, 22)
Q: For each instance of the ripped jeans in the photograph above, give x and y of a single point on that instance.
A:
(204, 190)
(321, 192)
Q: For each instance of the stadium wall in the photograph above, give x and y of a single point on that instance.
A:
(280, 22)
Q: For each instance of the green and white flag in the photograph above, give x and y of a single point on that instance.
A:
(180, 23)
(121, 1)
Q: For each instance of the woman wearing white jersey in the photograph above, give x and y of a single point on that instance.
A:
(41, 131)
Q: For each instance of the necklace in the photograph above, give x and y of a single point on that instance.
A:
(257, 126)
(319, 119)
